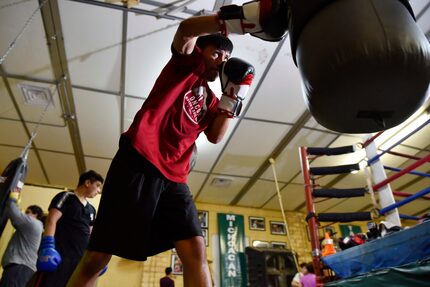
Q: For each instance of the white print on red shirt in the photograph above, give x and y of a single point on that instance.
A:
(195, 104)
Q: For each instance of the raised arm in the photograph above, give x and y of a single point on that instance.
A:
(191, 28)
(15, 215)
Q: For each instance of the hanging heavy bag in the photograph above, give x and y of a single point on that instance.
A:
(13, 176)
(365, 64)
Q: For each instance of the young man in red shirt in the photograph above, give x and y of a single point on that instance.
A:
(146, 206)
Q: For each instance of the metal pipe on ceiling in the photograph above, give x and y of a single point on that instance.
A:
(57, 52)
(123, 69)
(133, 10)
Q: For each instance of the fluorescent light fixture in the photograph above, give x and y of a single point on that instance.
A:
(405, 131)
(387, 135)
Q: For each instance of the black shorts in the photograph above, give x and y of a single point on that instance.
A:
(141, 213)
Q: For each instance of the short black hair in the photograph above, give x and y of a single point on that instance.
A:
(219, 41)
(310, 268)
(168, 270)
(90, 175)
(35, 209)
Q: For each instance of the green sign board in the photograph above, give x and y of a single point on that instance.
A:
(348, 229)
(232, 247)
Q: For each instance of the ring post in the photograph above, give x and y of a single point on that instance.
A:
(386, 197)
(312, 221)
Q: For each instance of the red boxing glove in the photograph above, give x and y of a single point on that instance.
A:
(264, 19)
(236, 76)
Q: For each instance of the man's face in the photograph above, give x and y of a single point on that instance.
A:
(93, 188)
(213, 59)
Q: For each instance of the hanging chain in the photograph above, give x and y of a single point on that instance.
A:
(12, 45)
(42, 115)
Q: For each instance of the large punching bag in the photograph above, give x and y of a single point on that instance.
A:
(365, 64)
(12, 177)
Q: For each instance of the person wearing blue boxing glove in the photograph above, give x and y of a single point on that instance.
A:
(67, 230)
(49, 258)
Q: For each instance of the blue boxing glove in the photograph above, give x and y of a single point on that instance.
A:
(49, 258)
(103, 271)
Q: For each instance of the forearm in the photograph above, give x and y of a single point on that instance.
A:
(193, 27)
(200, 25)
(216, 131)
(50, 228)
(14, 213)
(51, 222)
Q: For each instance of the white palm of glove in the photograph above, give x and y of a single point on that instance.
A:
(231, 100)
(250, 23)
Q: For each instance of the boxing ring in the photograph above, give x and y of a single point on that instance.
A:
(403, 256)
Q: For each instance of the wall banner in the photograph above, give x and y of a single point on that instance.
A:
(232, 246)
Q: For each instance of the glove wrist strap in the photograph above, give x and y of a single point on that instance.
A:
(232, 106)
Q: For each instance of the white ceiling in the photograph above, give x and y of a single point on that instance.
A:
(108, 79)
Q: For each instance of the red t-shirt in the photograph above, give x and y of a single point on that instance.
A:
(179, 107)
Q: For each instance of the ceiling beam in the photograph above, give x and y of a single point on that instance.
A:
(133, 10)
(54, 35)
(173, 8)
(415, 180)
(422, 12)
(219, 3)
(422, 212)
(123, 69)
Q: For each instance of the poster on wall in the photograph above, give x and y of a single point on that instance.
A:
(232, 247)
(257, 223)
(203, 218)
(176, 265)
(348, 229)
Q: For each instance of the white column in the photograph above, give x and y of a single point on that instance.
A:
(385, 193)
